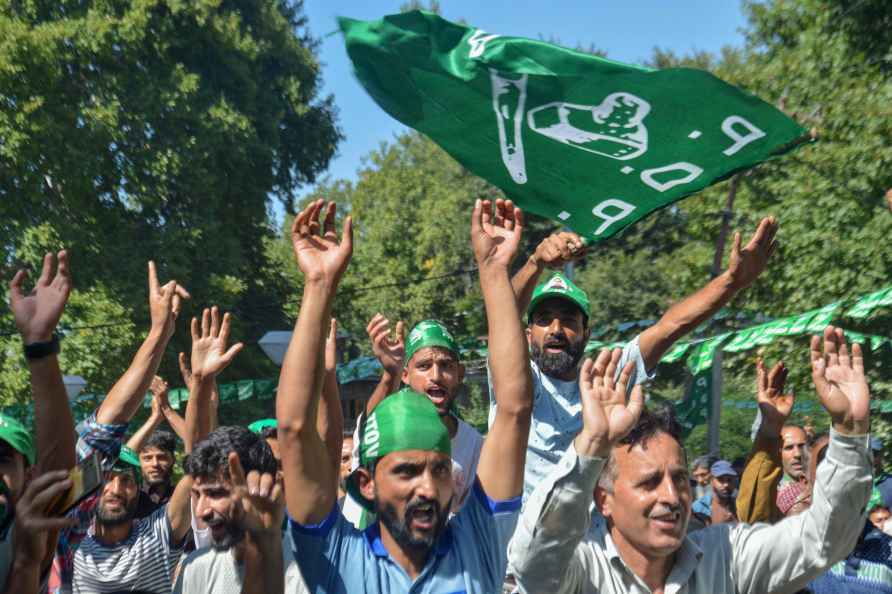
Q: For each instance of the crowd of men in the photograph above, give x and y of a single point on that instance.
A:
(577, 486)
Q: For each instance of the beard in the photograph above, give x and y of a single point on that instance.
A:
(234, 534)
(399, 527)
(162, 479)
(108, 517)
(561, 363)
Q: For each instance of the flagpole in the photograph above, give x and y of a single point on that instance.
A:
(716, 396)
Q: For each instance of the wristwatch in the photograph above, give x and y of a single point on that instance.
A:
(39, 350)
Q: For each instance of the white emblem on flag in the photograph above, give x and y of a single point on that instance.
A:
(508, 99)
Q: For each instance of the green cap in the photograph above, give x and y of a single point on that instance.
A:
(403, 421)
(128, 461)
(15, 434)
(258, 426)
(558, 285)
(429, 333)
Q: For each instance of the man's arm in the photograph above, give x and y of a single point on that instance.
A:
(210, 356)
(126, 395)
(36, 316)
(544, 554)
(786, 556)
(757, 497)
(744, 266)
(555, 251)
(390, 352)
(310, 487)
(330, 420)
(495, 235)
(176, 420)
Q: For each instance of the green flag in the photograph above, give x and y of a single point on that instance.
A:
(584, 140)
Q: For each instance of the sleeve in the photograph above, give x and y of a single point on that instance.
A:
(543, 553)
(632, 352)
(320, 550)
(757, 495)
(485, 526)
(106, 439)
(162, 528)
(786, 556)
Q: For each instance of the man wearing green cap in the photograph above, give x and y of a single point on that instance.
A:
(405, 474)
(27, 537)
(558, 325)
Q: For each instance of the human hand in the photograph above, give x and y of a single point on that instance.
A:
(558, 249)
(185, 372)
(390, 351)
(745, 265)
(321, 256)
(164, 302)
(260, 501)
(159, 389)
(496, 232)
(606, 415)
(37, 313)
(840, 382)
(209, 353)
(774, 404)
(32, 522)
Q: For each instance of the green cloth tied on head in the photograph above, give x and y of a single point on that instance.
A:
(876, 500)
(258, 426)
(559, 286)
(405, 420)
(128, 461)
(429, 333)
(18, 437)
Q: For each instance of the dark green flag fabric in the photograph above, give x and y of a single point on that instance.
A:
(580, 139)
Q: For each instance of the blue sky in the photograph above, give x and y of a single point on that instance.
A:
(628, 30)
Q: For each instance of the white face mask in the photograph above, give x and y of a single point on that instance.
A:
(887, 526)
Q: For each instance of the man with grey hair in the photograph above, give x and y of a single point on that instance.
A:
(635, 464)
(701, 476)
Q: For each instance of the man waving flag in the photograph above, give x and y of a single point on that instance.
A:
(571, 136)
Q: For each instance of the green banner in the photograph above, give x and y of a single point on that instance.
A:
(865, 305)
(589, 142)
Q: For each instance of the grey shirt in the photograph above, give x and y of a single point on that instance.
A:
(553, 550)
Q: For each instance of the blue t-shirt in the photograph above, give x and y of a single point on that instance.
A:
(469, 558)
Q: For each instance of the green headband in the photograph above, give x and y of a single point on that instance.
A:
(19, 438)
(403, 421)
(128, 461)
(429, 333)
(561, 287)
(258, 426)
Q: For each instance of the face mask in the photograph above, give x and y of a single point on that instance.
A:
(887, 527)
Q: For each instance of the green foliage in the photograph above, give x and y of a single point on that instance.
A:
(138, 130)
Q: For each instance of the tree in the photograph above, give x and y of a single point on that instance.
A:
(137, 130)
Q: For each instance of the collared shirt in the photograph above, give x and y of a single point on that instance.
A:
(557, 416)
(552, 553)
(151, 497)
(92, 437)
(468, 558)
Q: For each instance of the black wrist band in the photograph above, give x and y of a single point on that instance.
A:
(39, 350)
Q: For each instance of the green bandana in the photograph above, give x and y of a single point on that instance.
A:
(404, 421)
(258, 426)
(876, 500)
(15, 434)
(429, 333)
(558, 285)
(128, 461)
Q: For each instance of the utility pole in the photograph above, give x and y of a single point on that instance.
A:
(716, 396)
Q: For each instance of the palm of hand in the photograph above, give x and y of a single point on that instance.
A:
(390, 352)
(848, 393)
(607, 417)
(497, 244)
(208, 356)
(320, 257)
(39, 312)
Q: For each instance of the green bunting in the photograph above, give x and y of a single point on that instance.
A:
(589, 142)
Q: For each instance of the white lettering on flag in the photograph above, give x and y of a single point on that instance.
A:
(647, 176)
(600, 211)
(739, 141)
(478, 42)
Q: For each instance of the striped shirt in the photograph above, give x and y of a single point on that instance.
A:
(143, 561)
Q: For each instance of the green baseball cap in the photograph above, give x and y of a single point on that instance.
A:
(128, 461)
(258, 426)
(405, 420)
(429, 333)
(559, 286)
(15, 434)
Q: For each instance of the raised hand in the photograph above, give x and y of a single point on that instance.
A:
(840, 381)
(560, 248)
(389, 351)
(746, 264)
(209, 353)
(321, 256)
(32, 522)
(774, 404)
(37, 313)
(164, 302)
(496, 232)
(185, 372)
(606, 414)
(259, 499)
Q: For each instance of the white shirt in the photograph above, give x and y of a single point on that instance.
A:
(553, 551)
